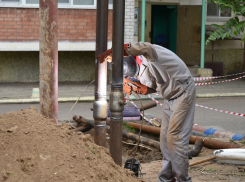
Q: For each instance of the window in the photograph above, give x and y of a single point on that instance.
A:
(213, 10)
(74, 4)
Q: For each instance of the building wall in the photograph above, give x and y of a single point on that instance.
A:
(19, 30)
(189, 34)
(129, 21)
(23, 66)
(22, 24)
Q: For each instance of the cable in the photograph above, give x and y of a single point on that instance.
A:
(139, 138)
(76, 103)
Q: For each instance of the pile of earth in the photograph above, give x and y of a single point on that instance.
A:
(33, 148)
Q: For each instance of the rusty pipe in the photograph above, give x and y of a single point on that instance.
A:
(100, 89)
(83, 120)
(214, 144)
(210, 143)
(134, 137)
(83, 128)
(148, 106)
(116, 96)
(48, 58)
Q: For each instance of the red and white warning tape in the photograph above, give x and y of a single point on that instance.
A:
(210, 83)
(155, 100)
(214, 77)
(227, 112)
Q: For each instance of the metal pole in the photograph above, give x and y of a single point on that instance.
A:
(143, 21)
(116, 95)
(100, 103)
(203, 34)
(48, 58)
(243, 56)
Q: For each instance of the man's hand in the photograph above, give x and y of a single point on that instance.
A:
(108, 54)
(139, 88)
(127, 89)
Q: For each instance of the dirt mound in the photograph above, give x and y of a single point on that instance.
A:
(32, 148)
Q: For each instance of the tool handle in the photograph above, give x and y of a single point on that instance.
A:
(135, 94)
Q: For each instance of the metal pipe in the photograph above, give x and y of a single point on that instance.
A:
(210, 143)
(100, 89)
(83, 120)
(48, 58)
(197, 148)
(116, 96)
(83, 128)
(213, 56)
(148, 106)
(214, 144)
(203, 33)
(143, 21)
(243, 56)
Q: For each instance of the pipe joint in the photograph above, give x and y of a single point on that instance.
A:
(116, 102)
(100, 110)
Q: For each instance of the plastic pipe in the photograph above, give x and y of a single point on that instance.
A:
(203, 33)
(143, 21)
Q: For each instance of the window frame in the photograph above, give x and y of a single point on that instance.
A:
(217, 18)
(22, 4)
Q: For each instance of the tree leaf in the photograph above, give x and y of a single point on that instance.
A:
(237, 19)
(215, 25)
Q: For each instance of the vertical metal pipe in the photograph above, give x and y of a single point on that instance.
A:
(100, 103)
(203, 33)
(48, 58)
(143, 21)
(244, 56)
(116, 95)
(213, 56)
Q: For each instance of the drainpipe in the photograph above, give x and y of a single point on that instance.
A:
(203, 33)
(116, 95)
(143, 21)
(100, 102)
(48, 58)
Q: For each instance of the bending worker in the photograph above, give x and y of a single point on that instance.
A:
(160, 70)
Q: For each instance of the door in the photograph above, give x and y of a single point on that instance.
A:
(164, 26)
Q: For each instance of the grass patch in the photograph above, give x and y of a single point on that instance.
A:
(131, 129)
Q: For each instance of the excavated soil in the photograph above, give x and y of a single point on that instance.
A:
(32, 148)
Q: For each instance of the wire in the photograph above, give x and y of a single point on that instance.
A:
(76, 103)
(138, 139)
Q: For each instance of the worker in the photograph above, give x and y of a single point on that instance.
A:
(160, 70)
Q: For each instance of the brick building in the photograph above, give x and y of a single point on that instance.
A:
(19, 38)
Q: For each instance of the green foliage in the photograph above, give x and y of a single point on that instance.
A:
(92, 149)
(233, 26)
(131, 129)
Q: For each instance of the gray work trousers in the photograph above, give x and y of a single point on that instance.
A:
(177, 123)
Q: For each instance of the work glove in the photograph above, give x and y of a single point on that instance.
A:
(141, 89)
(102, 57)
(127, 89)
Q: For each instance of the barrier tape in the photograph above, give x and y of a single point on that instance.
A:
(127, 100)
(214, 77)
(210, 83)
(227, 112)
(155, 100)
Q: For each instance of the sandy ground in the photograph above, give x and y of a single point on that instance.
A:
(208, 171)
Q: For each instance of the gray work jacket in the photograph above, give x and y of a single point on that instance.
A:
(161, 69)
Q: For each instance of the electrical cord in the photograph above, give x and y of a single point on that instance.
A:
(139, 137)
(76, 103)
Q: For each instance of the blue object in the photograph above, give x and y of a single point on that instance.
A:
(161, 39)
(238, 137)
(210, 131)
